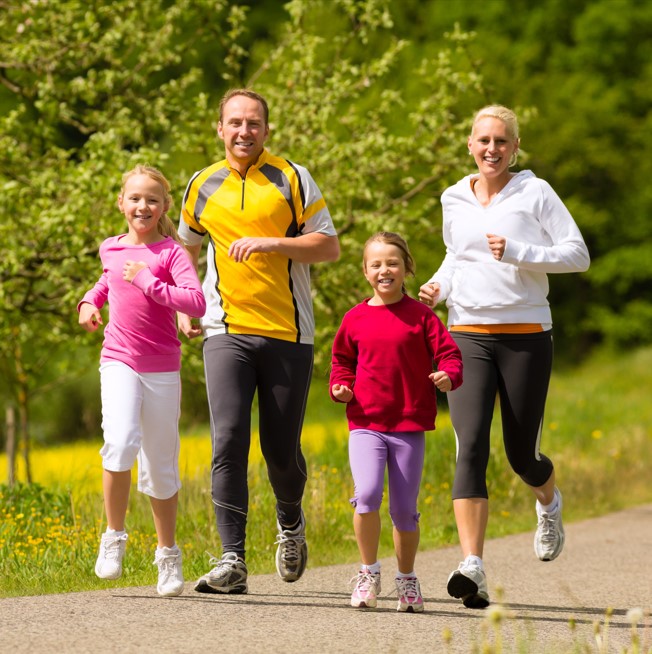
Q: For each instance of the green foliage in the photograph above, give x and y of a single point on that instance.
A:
(30, 499)
(86, 101)
(373, 96)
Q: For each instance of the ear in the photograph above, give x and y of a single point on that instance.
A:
(220, 131)
(120, 204)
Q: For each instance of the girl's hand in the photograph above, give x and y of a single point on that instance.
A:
(497, 245)
(131, 269)
(442, 381)
(186, 326)
(90, 317)
(342, 393)
(429, 293)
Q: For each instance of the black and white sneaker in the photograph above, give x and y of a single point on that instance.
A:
(229, 576)
(292, 551)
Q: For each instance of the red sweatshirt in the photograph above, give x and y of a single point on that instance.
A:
(385, 354)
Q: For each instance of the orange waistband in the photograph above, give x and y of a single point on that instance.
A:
(505, 328)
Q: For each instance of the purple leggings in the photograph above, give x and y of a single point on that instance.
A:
(402, 453)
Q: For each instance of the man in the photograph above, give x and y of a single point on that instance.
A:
(267, 221)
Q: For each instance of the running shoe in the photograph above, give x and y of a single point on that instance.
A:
(409, 595)
(109, 559)
(366, 590)
(292, 551)
(549, 537)
(469, 583)
(170, 572)
(228, 576)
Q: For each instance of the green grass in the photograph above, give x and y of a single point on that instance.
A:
(597, 432)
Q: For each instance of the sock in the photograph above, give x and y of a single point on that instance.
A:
(472, 559)
(174, 548)
(552, 507)
(374, 568)
(404, 575)
(113, 532)
(291, 527)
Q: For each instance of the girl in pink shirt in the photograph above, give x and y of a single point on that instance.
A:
(147, 278)
(389, 354)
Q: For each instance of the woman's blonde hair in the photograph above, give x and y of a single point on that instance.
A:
(165, 225)
(507, 116)
(391, 238)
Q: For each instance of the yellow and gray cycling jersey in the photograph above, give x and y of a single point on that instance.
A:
(268, 295)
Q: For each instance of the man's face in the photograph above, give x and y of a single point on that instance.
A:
(243, 130)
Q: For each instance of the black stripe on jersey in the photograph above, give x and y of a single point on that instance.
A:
(302, 193)
(210, 186)
(217, 283)
(277, 177)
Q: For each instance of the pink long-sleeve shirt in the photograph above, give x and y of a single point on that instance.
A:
(142, 330)
(385, 354)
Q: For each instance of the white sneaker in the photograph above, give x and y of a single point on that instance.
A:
(109, 560)
(410, 599)
(469, 583)
(170, 573)
(549, 537)
(366, 590)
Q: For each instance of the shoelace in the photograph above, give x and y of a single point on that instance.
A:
(365, 582)
(291, 545)
(167, 562)
(112, 546)
(221, 564)
(548, 526)
(408, 588)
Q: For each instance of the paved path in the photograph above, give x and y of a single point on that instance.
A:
(606, 564)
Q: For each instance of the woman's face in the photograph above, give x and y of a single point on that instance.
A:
(492, 146)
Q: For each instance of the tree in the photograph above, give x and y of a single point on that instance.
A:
(85, 101)
(91, 89)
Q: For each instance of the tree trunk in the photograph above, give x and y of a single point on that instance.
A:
(10, 415)
(23, 419)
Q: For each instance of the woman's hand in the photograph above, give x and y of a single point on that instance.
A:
(429, 293)
(497, 245)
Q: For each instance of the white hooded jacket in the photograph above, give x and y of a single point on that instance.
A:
(541, 237)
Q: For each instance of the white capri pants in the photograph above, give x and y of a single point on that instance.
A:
(140, 419)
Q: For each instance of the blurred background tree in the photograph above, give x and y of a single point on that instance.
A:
(373, 96)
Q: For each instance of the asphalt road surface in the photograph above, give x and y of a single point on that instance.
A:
(604, 573)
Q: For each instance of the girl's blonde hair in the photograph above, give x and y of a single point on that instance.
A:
(391, 238)
(507, 116)
(165, 225)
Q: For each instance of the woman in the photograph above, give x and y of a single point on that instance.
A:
(503, 232)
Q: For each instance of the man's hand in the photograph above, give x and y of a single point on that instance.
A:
(243, 248)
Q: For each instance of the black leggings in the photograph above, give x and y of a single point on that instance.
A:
(517, 367)
(236, 367)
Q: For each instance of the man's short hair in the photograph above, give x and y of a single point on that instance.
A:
(248, 93)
